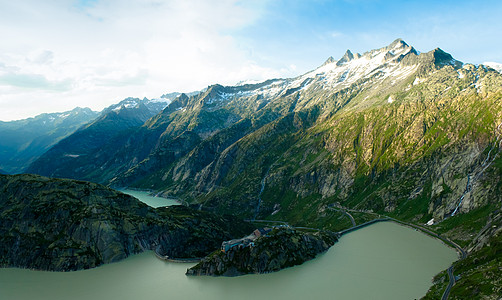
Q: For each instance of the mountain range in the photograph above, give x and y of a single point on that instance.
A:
(23, 141)
(392, 131)
(348, 124)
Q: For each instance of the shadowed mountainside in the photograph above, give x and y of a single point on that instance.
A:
(65, 225)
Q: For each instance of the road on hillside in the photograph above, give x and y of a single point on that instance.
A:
(450, 284)
(345, 212)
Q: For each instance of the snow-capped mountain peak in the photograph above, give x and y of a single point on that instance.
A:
(352, 67)
(332, 74)
(347, 57)
(154, 105)
(494, 65)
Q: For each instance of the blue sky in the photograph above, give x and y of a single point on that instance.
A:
(59, 54)
(469, 30)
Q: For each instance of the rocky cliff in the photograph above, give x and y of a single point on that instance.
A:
(415, 136)
(390, 130)
(64, 225)
(281, 248)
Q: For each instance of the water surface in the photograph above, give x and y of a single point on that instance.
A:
(381, 261)
(150, 200)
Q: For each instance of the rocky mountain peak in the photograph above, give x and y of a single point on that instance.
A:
(494, 65)
(348, 56)
(85, 110)
(398, 44)
(170, 96)
(328, 61)
(442, 58)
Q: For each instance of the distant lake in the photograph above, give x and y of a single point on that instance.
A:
(381, 261)
(147, 198)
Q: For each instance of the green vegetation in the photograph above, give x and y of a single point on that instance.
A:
(281, 248)
(481, 272)
(408, 139)
(478, 276)
(469, 224)
(64, 225)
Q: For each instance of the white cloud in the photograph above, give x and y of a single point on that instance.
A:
(33, 81)
(494, 65)
(41, 57)
(335, 34)
(94, 53)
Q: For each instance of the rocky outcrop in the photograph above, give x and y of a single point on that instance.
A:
(391, 130)
(65, 225)
(281, 248)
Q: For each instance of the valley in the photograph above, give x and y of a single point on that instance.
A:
(390, 133)
(387, 261)
(23, 141)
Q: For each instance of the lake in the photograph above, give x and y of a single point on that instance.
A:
(381, 261)
(150, 200)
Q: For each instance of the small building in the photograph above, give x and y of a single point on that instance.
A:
(261, 231)
(247, 241)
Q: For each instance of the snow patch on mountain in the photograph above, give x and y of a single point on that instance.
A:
(418, 81)
(244, 82)
(160, 100)
(380, 64)
(494, 65)
(155, 105)
(353, 68)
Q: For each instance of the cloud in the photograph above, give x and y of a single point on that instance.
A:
(34, 81)
(68, 53)
(139, 78)
(94, 53)
(335, 34)
(41, 57)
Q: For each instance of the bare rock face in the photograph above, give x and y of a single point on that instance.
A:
(389, 131)
(281, 248)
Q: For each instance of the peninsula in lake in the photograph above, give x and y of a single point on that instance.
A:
(268, 174)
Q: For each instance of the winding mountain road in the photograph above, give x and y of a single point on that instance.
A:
(345, 212)
(450, 284)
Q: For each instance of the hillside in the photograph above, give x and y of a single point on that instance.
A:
(281, 248)
(23, 141)
(392, 131)
(374, 120)
(107, 133)
(65, 225)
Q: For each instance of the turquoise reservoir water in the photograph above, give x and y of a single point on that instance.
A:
(152, 201)
(382, 261)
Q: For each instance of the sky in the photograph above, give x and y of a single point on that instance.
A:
(56, 55)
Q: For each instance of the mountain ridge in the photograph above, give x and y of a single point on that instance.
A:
(415, 136)
(22, 141)
(218, 108)
(67, 225)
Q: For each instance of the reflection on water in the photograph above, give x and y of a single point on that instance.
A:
(382, 261)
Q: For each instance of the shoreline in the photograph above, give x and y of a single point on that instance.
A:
(151, 193)
(447, 242)
(176, 260)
